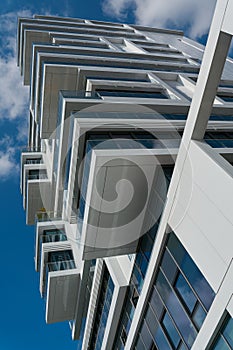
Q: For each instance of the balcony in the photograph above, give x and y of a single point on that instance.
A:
(59, 283)
(31, 158)
(35, 185)
(37, 193)
(123, 183)
(48, 232)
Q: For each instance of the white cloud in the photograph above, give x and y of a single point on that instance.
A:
(116, 8)
(195, 16)
(22, 131)
(13, 96)
(8, 164)
(8, 27)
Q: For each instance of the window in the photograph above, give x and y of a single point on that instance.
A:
(185, 292)
(128, 93)
(135, 297)
(123, 336)
(224, 339)
(219, 139)
(153, 347)
(170, 330)
(179, 299)
(225, 97)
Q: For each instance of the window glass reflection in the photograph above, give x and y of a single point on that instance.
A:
(170, 330)
(199, 315)
(146, 336)
(228, 332)
(221, 345)
(185, 292)
(161, 340)
(173, 305)
(224, 339)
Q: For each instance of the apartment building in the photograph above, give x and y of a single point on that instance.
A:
(128, 178)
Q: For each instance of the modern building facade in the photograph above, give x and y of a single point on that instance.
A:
(128, 178)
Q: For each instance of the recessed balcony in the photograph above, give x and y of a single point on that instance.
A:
(35, 185)
(37, 193)
(31, 158)
(48, 232)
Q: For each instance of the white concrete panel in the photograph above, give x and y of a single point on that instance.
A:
(214, 180)
(202, 214)
(227, 25)
(53, 83)
(230, 306)
(62, 295)
(126, 265)
(118, 198)
(116, 271)
(212, 222)
(31, 37)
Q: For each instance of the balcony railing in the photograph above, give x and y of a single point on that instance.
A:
(34, 161)
(53, 237)
(37, 176)
(81, 94)
(28, 149)
(61, 265)
(44, 215)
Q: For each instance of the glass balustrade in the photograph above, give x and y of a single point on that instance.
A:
(43, 216)
(81, 94)
(33, 161)
(60, 260)
(61, 265)
(37, 174)
(37, 177)
(51, 236)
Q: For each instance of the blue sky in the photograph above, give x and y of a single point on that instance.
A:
(22, 310)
